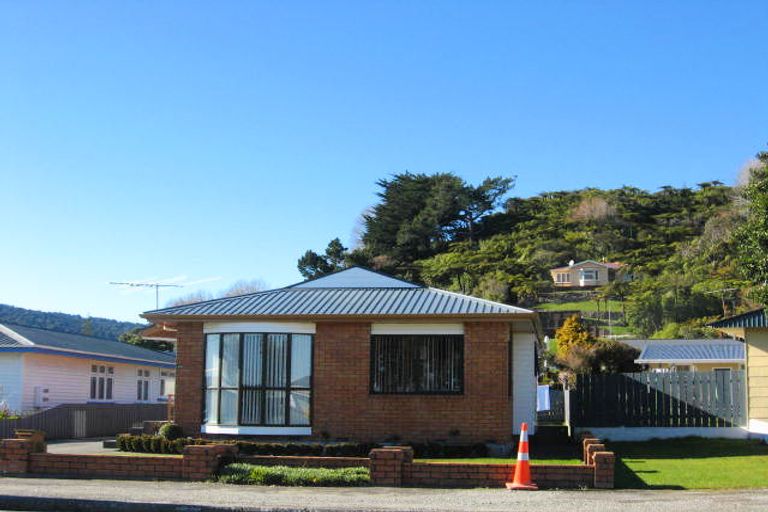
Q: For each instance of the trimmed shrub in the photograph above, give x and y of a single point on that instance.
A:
(170, 431)
(151, 444)
(249, 474)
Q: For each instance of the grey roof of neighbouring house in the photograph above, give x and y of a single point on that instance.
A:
(689, 351)
(352, 292)
(33, 339)
(750, 320)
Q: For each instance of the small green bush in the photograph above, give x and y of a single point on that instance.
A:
(170, 431)
(249, 474)
(151, 444)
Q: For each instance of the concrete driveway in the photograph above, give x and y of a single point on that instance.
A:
(59, 494)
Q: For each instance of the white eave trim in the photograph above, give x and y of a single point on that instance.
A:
(256, 431)
(245, 326)
(417, 328)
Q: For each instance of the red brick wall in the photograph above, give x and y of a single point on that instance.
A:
(344, 408)
(394, 467)
(438, 474)
(190, 360)
(105, 466)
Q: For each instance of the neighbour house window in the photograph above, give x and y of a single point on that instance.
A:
(258, 379)
(563, 277)
(102, 381)
(142, 386)
(589, 275)
(164, 376)
(417, 364)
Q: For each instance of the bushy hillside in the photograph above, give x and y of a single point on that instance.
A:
(677, 243)
(75, 324)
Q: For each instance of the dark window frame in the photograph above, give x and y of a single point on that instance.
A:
(374, 374)
(288, 388)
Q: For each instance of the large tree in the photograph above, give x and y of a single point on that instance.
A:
(419, 214)
(312, 264)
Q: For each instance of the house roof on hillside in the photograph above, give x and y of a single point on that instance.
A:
(692, 351)
(750, 320)
(17, 338)
(353, 292)
(613, 265)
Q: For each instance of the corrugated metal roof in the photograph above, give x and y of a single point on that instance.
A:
(43, 338)
(356, 277)
(677, 351)
(375, 297)
(750, 320)
(7, 341)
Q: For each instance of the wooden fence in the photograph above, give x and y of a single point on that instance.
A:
(675, 399)
(74, 421)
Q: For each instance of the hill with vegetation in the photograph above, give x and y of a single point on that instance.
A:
(63, 322)
(682, 245)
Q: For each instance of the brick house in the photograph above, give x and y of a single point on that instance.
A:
(354, 355)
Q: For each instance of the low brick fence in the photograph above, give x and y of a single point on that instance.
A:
(307, 462)
(394, 466)
(17, 457)
(391, 466)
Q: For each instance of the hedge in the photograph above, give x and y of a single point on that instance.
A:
(153, 444)
(159, 444)
(250, 474)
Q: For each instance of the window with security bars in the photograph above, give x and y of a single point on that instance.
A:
(417, 364)
(258, 379)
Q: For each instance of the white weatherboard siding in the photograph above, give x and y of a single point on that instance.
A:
(68, 380)
(523, 380)
(11, 380)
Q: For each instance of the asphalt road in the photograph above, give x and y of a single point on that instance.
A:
(61, 494)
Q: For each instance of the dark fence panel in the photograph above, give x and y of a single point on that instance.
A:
(675, 399)
(556, 413)
(73, 421)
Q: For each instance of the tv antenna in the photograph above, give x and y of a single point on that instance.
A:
(156, 286)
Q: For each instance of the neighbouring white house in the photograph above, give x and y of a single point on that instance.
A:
(40, 368)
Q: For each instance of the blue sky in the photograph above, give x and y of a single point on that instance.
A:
(218, 141)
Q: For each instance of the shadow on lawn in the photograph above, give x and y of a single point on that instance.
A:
(626, 478)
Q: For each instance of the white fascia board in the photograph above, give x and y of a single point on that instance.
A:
(256, 431)
(417, 328)
(277, 327)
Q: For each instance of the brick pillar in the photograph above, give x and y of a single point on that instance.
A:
(387, 465)
(190, 361)
(201, 462)
(591, 450)
(605, 463)
(585, 443)
(14, 456)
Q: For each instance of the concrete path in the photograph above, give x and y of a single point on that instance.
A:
(136, 496)
(91, 446)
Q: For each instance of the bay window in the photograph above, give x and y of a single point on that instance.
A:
(417, 364)
(258, 379)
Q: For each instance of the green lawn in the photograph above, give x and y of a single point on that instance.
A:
(491, 460)
(691, 463)
(584, 305)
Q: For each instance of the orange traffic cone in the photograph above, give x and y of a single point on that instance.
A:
(522, 479)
